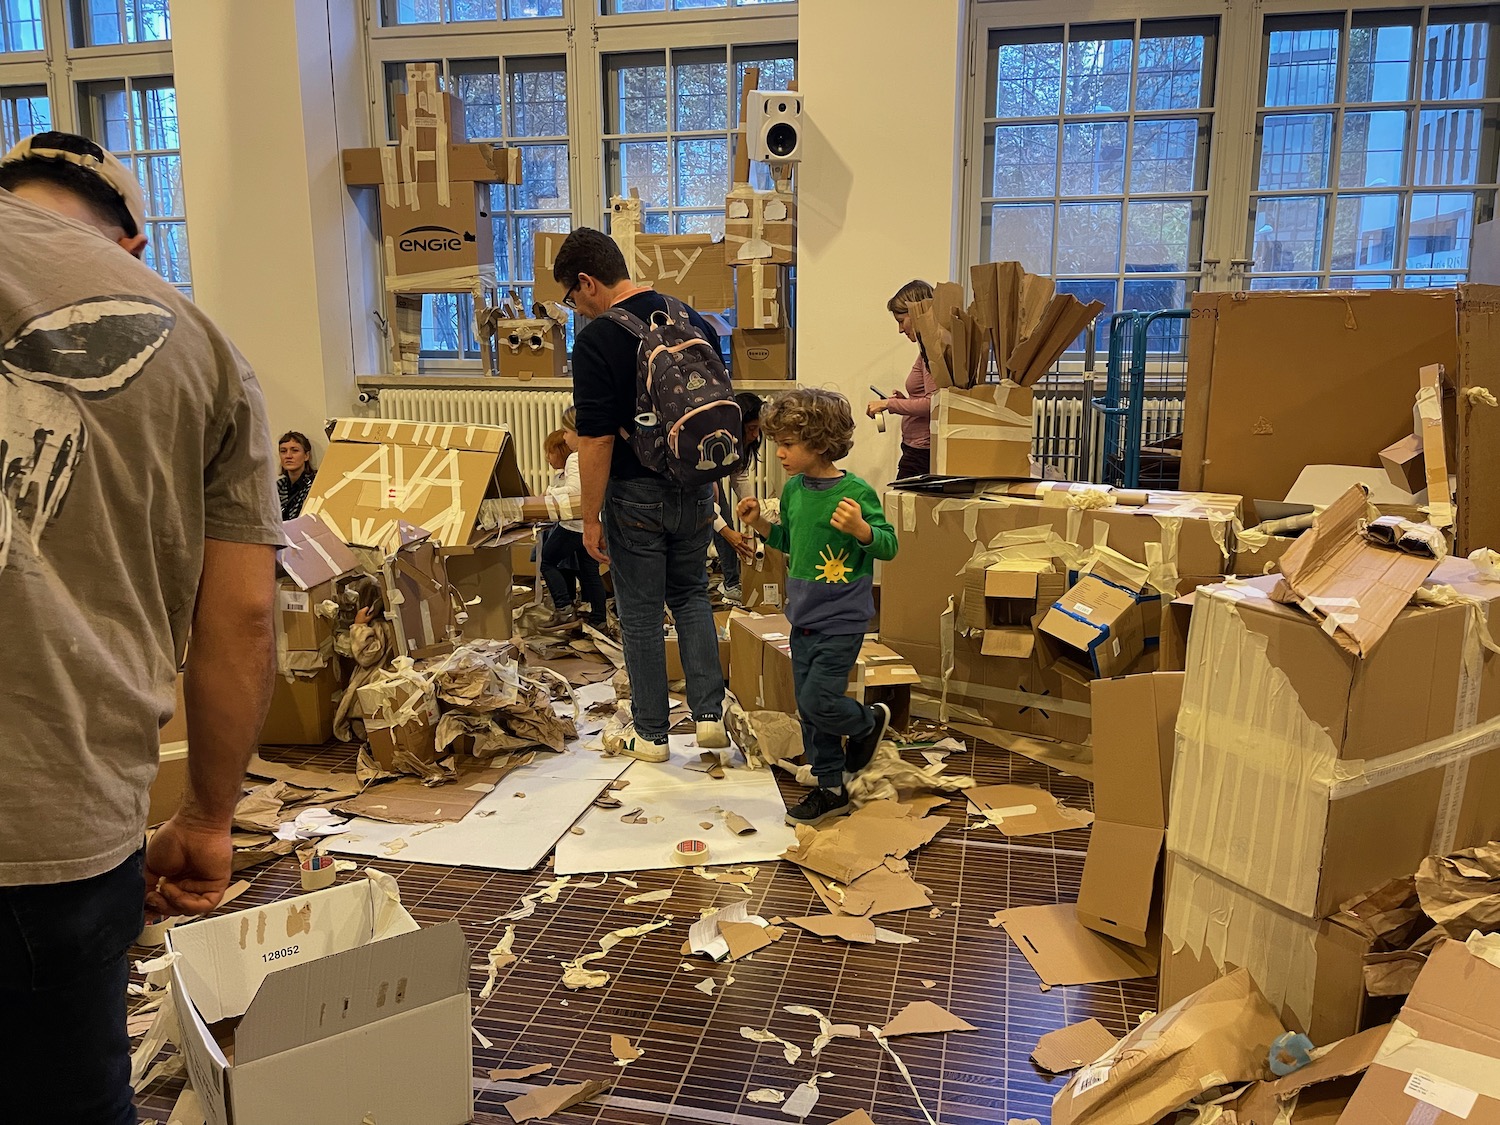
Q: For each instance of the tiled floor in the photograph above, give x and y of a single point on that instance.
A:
(697, 1068)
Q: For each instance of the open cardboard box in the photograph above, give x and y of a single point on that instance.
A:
(313, 561)
(323, 1008)
(1135, 717)
(1097, 623)
(1001, 599)
(983, 431)
(377, 473)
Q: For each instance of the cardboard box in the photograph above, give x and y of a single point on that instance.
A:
(302, 708)
(760, 296)
(420, 600)
(984, 432)
(690, 267)
(760, 662)
(763, 582)
(1403, 464)
(1317, 1093)
(1133, 744)
(1440, 1062)
(883, 675)
(1295, 727)
(529, 349)
(377, 473)
(472, 163)
(1176, 620)
(1312, 971)
(760, 355)
(674, 653)
(400, 718)
(1225, 1031)
(1097, 624)
(523, 550)
(485, 573)
(1001, 599)
(313, 561)
(1434, 452)
(760, 226)
(1280, 380)
(435, 236)
(322, 1007)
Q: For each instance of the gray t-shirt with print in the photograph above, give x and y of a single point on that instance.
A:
(130, 431)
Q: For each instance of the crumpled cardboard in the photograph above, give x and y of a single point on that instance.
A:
(1216, 1037)
(1461, 892)
(860, 842)
(1026, 810)
(1315, 1094)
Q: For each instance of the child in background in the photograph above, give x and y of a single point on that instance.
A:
(733, 548)
(832, 529)
(562, 550)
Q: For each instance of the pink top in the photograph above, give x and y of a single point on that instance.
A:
(916, 408)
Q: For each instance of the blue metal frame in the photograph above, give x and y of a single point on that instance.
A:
(1124, 402)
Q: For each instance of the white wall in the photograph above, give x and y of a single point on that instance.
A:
(878, 191)
(269, 92)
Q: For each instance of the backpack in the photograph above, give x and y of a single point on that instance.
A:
(688, 426)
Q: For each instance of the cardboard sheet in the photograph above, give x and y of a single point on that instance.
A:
(881, 891)
(1026, 810)
(847, 927)
(1062, 951)
(503, 832)
(923, 1017)
(1069, 1048)
(682, 799)
(407, 801)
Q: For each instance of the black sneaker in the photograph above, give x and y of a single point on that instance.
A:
(858, 752)
(819, 805)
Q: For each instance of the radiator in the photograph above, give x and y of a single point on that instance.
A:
(530, 416)
(1068, 435)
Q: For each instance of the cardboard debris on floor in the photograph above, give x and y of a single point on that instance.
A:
(542, 1103)
(1219, 1036)
(729, 933)
(1062, 951)
(511, 1075)
(923, 1017)
(1315, 1094)
(887, 889)
(862, 841)
(1068, 1048)
(850, 929)
(1025, 810)
(1461, 892)
(828, 1031)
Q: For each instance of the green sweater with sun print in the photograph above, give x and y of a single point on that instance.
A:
(830, 583)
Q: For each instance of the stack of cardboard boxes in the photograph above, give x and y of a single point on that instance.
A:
(760, 245)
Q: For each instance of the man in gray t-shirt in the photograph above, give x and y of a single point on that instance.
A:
(137, 501)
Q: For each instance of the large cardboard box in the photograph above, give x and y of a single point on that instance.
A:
(1307, 774)
(690, 267)
(322, 1008)
(760, 662)
(1279, 380)
(1315, 1094)
(436, 236)
(476, 163)
(761, 355)
(313, 561)
(674, 653)
(1440, 1063)
(302, 708)
(486, 573)
(1097, 624)
(760, 226)
(377, 473)
(1135, 717)
(982, 432)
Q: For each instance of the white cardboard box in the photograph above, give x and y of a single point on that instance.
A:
(326, 1007)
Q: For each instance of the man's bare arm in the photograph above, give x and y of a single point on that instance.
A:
(594, 456)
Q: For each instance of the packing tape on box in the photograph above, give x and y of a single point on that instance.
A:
(460, 279)
(1214, 919)
(1010, 696)
(1406, 1051)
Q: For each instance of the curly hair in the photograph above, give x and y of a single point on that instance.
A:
(819, 419)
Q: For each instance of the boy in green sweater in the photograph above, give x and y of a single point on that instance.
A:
(832, 529)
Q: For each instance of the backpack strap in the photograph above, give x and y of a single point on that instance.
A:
(629, 321)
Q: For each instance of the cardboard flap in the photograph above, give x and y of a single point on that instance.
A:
(225, 959)
(1069, 1048)
(1016, 642)
(1119, 879)
(1061, 951)
(345, 991)
(314, 554)
(1352, 586)
(1344, 1058)
(1134, 721)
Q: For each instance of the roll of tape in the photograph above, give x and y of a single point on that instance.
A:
(318, 871)
(690, 853)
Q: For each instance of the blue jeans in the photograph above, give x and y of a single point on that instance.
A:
(657, 537)
(563, 556)
(821, 663)
(64, 1054)
(729, 560)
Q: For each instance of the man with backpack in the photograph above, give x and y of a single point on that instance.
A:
(657, 425)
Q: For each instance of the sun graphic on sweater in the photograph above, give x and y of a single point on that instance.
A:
(834, 568)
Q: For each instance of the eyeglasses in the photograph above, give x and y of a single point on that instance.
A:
(568, 301)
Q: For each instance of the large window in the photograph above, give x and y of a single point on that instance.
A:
(668, 116)
(1375, 147)
(621, 7)
(398, 13)
(136, 119)
(23, 110)
(522, 103)
(1096, 144)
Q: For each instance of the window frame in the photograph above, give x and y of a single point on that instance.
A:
(1412, 105)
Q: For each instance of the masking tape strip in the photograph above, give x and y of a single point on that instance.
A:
(951, 402)
(1369, 773)
(459, 280)
(966, 690)
(1405, 1050)
(908, 512)
(947, 627)
(1011, 433)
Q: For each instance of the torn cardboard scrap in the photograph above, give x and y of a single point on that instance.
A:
(543, 1103)
(502, 1075)
(860, 842)
(851, 929)
(1062, 951)
(923, 1017)
(1026, 810)
(1069, 1048)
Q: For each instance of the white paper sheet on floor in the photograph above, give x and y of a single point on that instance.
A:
(518, 832)
(684, 800)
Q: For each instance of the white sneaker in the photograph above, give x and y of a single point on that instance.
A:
(712, 735)
(632, 745)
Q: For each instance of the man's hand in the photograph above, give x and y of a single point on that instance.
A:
(188, 864)
(848, 518)
(879, 406)
(593, 541)
(742, 546)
